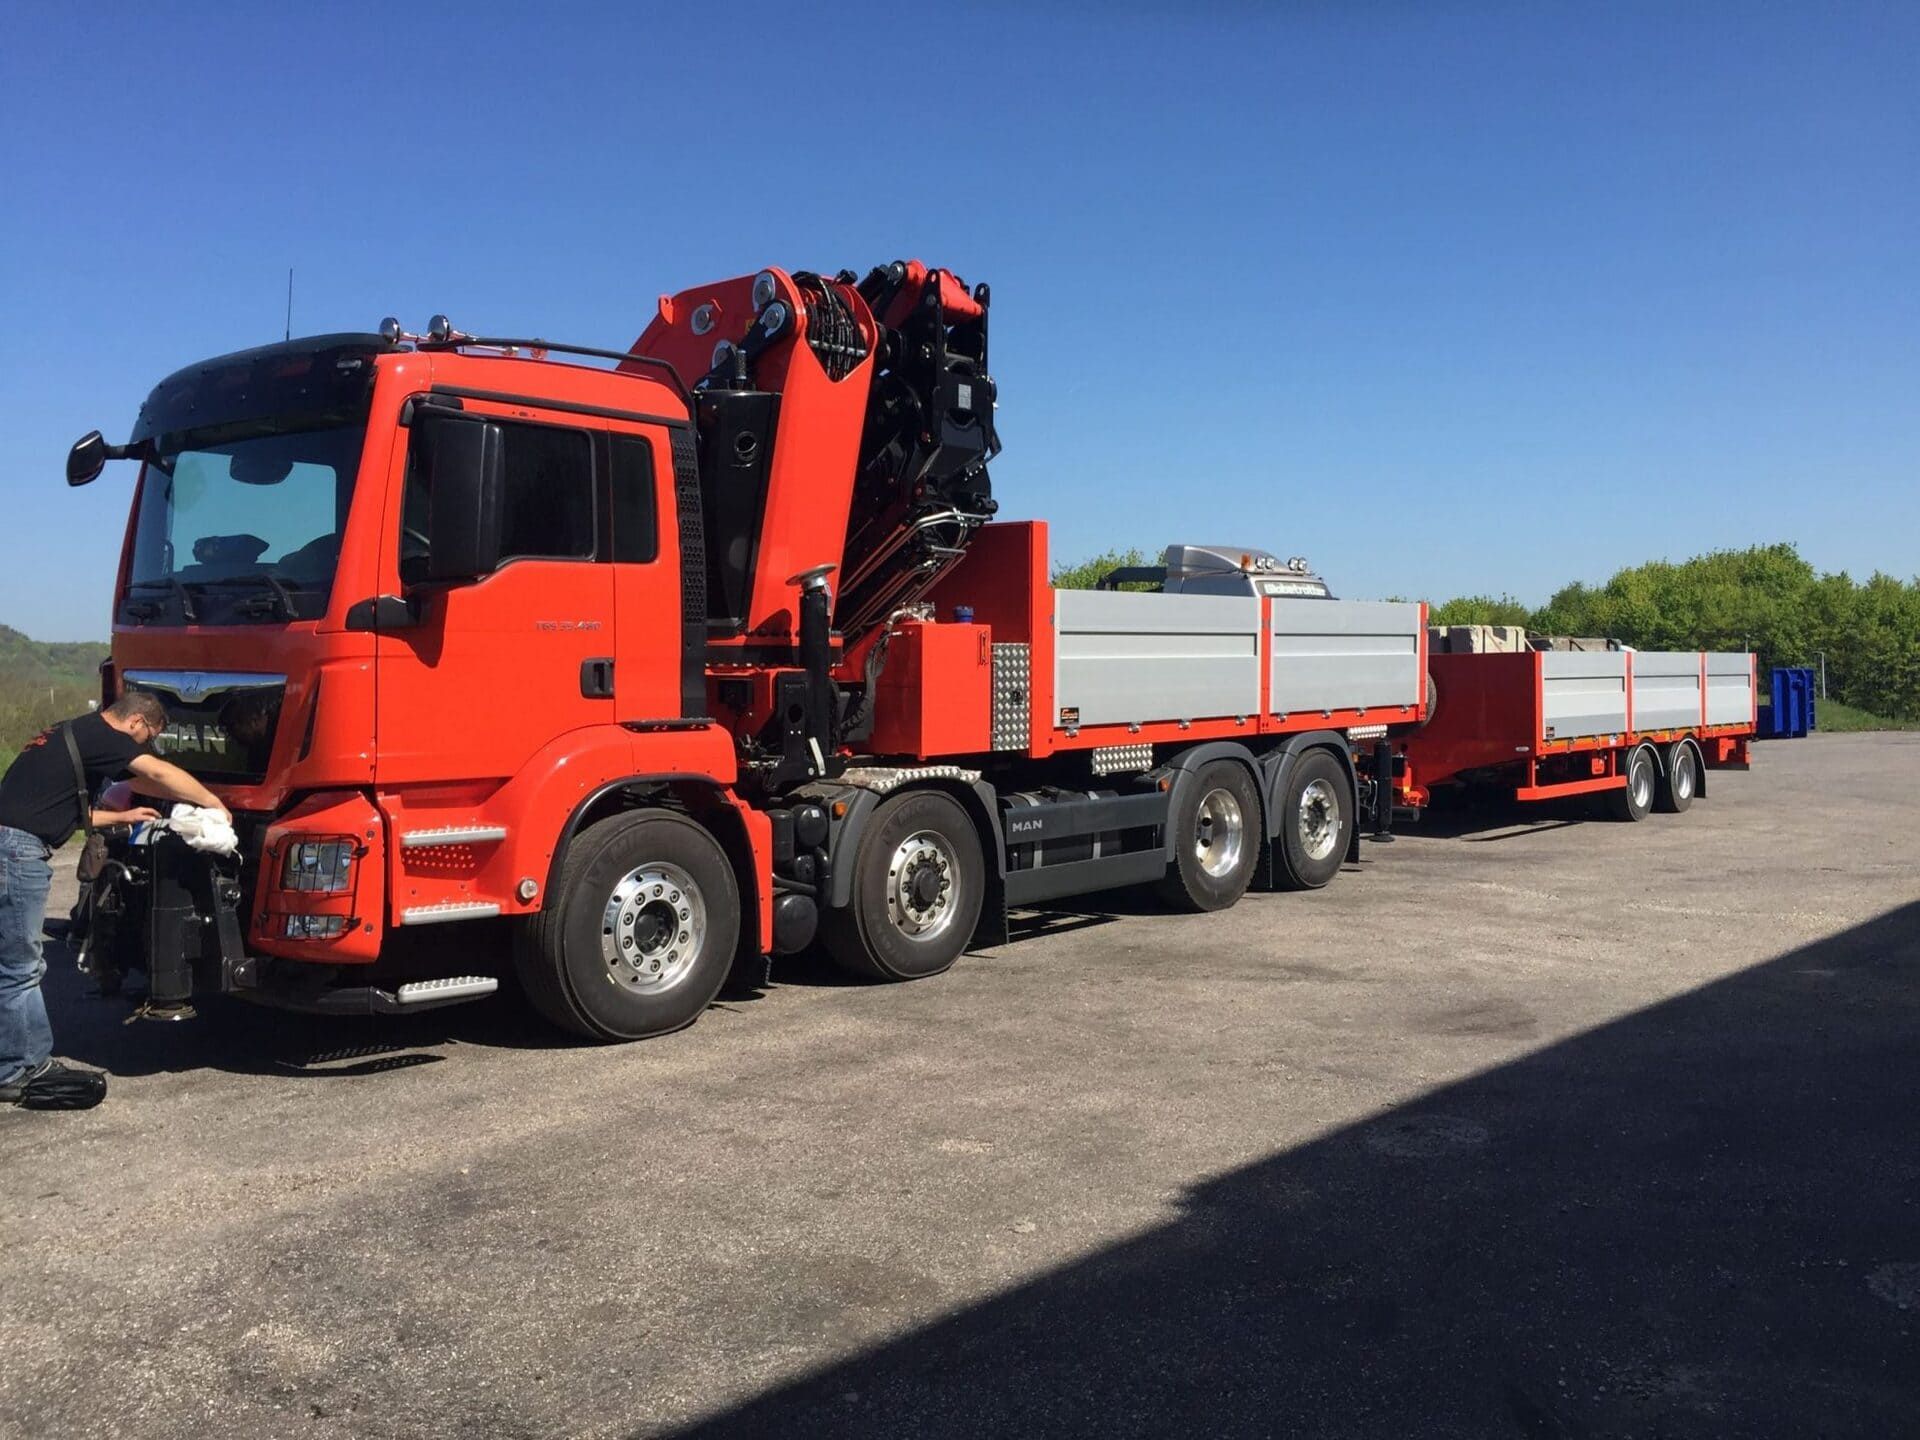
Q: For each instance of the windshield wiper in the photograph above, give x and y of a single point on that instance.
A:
(147, 612)
(280, 596)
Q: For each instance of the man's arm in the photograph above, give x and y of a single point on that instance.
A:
(104, 818)
(154, 776)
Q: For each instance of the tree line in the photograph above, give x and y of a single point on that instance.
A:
(1767, 599)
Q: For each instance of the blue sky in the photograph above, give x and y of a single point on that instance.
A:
(1449, 298)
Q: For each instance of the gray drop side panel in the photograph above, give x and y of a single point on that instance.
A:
(1123, 657)
(1345, 654)
(1585, 693)
(1666, 689)
(1729, 687)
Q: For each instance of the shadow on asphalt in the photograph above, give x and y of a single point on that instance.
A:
(1701, 1219)
(232, 1035)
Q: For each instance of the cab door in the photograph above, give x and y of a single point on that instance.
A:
(485, 673)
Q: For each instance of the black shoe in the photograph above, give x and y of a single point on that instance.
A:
(56, 1087)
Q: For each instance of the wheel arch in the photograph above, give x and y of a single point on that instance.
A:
(1277, 765)
(1183, 768)
(976, 797)
(701, 799)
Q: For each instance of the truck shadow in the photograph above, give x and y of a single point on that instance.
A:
(234, 1036)
(1700, 1219)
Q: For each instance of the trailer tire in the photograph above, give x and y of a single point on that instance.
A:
(1679, 779)
(1316, 822)
(1214, 825)
(919, 881)
(641, 931)
(1634, 800)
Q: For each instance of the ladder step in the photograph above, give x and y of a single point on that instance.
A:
(445, 992)
(450, 910)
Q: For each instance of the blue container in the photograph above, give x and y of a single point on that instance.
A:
(1787, 714)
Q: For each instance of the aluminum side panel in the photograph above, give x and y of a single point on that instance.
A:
(1729, 687)
(1122, 657)
(1666, 689)
(1345, 654)
(1584, 693)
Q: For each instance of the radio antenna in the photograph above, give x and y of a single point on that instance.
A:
(289, 334)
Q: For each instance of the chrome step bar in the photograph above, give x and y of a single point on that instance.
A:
(424, 994)
(453, 835)
(449, 910)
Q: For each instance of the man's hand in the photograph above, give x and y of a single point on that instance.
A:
(153, 775)
(136, 816)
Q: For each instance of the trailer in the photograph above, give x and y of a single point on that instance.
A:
(1640, 728)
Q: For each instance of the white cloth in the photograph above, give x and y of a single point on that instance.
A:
(203, 829)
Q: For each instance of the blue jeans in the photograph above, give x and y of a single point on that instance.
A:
(26, 1040)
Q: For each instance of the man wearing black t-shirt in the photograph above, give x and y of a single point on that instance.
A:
(40, 800)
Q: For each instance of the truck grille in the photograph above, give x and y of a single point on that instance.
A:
(219, 725)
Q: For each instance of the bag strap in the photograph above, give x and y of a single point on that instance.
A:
(79, 778)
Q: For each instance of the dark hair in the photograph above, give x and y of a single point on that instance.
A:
(143, 704)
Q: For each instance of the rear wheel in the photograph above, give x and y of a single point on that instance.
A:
(1681, 782)
(1316, 821)
(1635, 799)
(1216, 838)
(919, 880)
(641, 933)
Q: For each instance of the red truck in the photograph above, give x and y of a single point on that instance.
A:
(623, 670)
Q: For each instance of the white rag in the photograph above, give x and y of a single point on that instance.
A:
(203, 829)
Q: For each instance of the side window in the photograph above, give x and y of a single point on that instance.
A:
(549, 494)
(547, 507)
(636, 532)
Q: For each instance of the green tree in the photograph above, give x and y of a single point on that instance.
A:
(1087, 574)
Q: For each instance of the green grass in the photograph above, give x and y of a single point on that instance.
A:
(1832, 715)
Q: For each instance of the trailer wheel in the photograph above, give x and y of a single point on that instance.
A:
(1634, 800)
(1316, 821)
(641, 932)
(1680, 781)
(1216, 840)
(919, 880)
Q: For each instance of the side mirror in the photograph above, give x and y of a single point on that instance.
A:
(463, 460)
(87, 458)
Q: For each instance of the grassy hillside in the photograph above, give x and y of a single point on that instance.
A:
(42, 682)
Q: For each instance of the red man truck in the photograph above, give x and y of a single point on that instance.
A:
(625, 668)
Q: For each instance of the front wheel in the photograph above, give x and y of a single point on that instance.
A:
(640, 932)
(919, 879)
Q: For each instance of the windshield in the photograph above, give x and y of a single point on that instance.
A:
(243, 529)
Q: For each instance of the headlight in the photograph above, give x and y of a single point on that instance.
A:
(315, 927)
(318, 866)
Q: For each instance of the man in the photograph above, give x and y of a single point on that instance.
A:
(40, 799)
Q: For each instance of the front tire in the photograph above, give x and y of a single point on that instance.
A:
(1216, 838)
(1316, 822)
(641, 932)
(919, 880)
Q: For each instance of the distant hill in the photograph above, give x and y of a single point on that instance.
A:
(43, 681)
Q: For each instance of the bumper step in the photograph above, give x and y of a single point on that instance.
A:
(408, 999)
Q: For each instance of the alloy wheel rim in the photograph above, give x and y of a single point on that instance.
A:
(923, 886)
(653, 928)
(1220, 830)
(1319, 819)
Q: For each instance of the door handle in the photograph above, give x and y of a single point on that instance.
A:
(596, 679)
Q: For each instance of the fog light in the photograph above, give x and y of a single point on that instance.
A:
(315, 927)
(318, 866)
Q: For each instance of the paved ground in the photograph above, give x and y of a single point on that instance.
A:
(1545, 1129)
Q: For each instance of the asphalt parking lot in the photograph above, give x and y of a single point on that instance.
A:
(1536, 1126)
